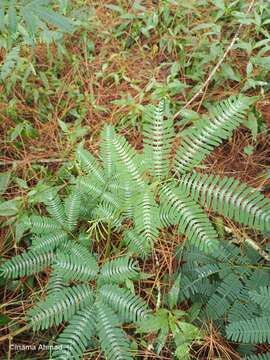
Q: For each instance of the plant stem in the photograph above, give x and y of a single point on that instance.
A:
(14, 333)
(108, 243)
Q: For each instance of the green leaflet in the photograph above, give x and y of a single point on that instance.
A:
(27, 263)
(126, 161)
(12, 17)
(119, 270)
(208, 134)
(55, 207)
(261, 297)
(191, 220)
(89, 164)
(73, 341)
(43, 225)
(46, 242)
(53, 18)
(128, 305)
(137, 243)
(146, 216)
(228, 197)
(256, 330)
(158, 138)
(55, 284)
(11, 59)
(113, 340)
(73, 268)
(50, 312)
(72, 208)
(106, 151)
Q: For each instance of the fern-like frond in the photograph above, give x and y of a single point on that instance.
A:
(55, 207)
(96, 191)
(86, 211)
(44, 243)
(225, 294)
(73, 341)
(242, 311)
(111, 199)
(106, 150)
(106, 213)
(82, 253)
(146, 216)
(130, 307)
(261, 297)
(28, 263)
(50, 312)
(126, 194)
(43, 224)
(158, 137)
(119, 270)
(228, 197)
(55, 284)
(113, 340)
(191, 285)
(89, 163)
(73, 268)
(191, 219)
(127, 161)
(256, 331)
(137, 243)
(208, 134)
(72, 208)
(10, 62)
(88, 185)
(264, 356)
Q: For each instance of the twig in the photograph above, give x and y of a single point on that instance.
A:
(158, 282)
(31, 161)
(212, 73)
(11, 335)
(239, 240)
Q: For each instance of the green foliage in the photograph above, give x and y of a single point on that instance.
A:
(164, 323)
(24, 24)
(11, 59)
(232, 286)
(53, 311)
(96, 310)
(229, 197)
(127, 305)
(136, 192)
(136, 189)
(75, 337)
(192, 221)
(71, 267)
(45, 242)
(158, 137)
(127, 197)
(26, 264)
(261, 296)
(89, 164)
(258, 357)
(256, 330)
(207, 134)
(118, 270)
(114, 342)
(28, 18)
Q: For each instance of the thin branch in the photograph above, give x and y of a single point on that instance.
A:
(213, 72)
(30, 161)
(11, 335)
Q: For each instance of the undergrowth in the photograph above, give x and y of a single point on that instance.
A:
(135, 188)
